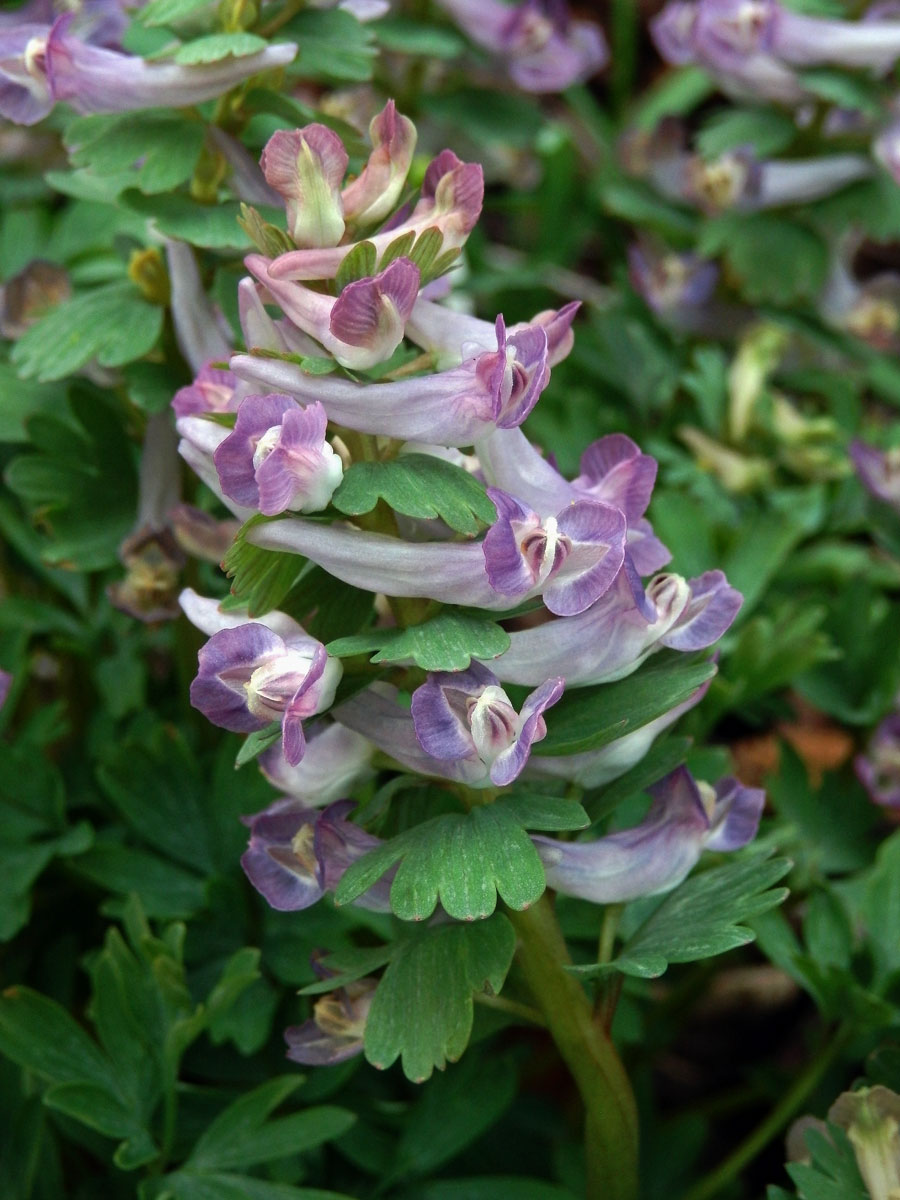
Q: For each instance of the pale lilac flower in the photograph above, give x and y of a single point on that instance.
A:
(376, 191)
(336, 1029)
(494, 388)
(363, 326)
(40, 65)
(541, 46)
(296, 855)
(451, 200)
(200, 534)
(336, 759)
(5, 684)
(466, 718)
(886, 147)
(211, 392)
(615, 635)
(686, 817)
(570, 560)
(263, 332)
(879, 768)
(276, 458)
(249, 676)
(306, 167)
(674, 285)
(879, 471)
(452, 336)
(199, 440)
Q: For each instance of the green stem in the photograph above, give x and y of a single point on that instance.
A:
(523, 1011)
(611, 1135)
(770, 1127)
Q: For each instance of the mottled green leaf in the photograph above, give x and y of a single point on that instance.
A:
(448, 642)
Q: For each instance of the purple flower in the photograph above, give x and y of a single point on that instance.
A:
(41, 65)
(306, 167)
(211, 392)
(276, 458)
(494, 388)
(686, 817)
(336, 759)
(466, 717)
(363, 326)
(375, 192)
(200, 439)
(570, 560)
(615, 635)
(452, 196)
(296, 855)
(543, 49)
(452, 336)
(879, 768)
(879, 471)
(5, 684)
(336, 1029)
(249, 676)
(671, 284)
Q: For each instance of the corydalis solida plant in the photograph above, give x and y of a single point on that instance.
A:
(438, 533)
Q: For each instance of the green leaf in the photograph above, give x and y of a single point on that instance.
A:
(216, 46)
(588, 718)
(167, 145)
(38, 1034)
(417, 485)
(23, 399)
(190, 1185)
(490, 1187)
(167, 12)
(412, 36)
(422, 1009)
(846, 90)
(257, 742)
(638, 203)
(80, 484)
(97, 1108)
(801, 255)
(112, 324)
(213, 226)
(333, 46)
(243, 1135)
(260, 579)
(833, 1173)
(464, 860)
(358, 264)
(448, 642)
(767, 130)
(678, 92)
(700, 918)
(398, 248)
(346, 966)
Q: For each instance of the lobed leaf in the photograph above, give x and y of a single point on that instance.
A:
(448, 642)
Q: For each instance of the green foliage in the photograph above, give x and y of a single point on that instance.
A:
(79, 481)
(752, 242)
(216, 46)
(167, 12)
(260, 579)
(214, 226)
(832, 1174)
(448, 642)
(767, 130)
(464, 860)
(422, 1010)
(165, 144)
(112, 324)
(417, 485)
(333, 46)
(592, 717)
(700, 918)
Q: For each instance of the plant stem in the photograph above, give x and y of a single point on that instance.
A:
(523, 1011)
(772, 1124)
(611, 1135)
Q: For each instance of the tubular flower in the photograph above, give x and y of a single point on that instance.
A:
(296, 855)
(571, 559)
(336, 1029)
(40, 65)
(452, 195)
(466, 717)
(363, 326)
(494, 388)
(686, 817)
(249, 676)
(879, 768)
(276, 458)
(879, 471)
(542, 47)
(336, 758)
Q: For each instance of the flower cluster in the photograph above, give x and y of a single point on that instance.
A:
(364, 355)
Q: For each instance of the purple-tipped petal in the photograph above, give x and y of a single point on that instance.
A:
(211, 392)
(306, 167)
(280, 861)
(226, 664)
(336, 1030)
(736, 815)
(374, 194)
(234, 457)
(615, 471)
(596, 536)
(712, 607)
(509, 765)
(373, 312)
